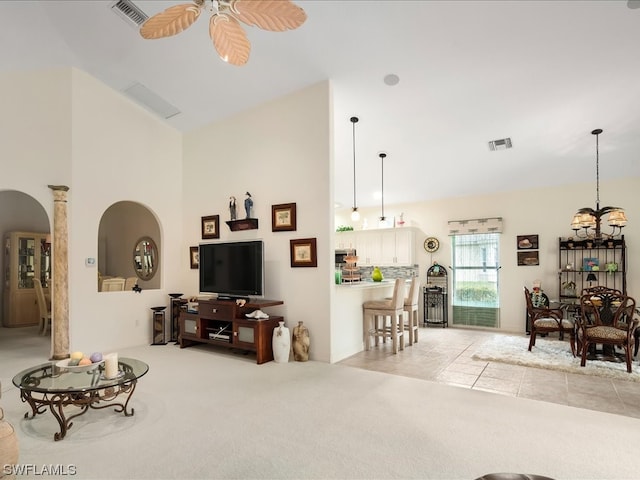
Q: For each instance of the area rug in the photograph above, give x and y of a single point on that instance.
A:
(552, 355)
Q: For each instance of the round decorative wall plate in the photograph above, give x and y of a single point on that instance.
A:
(431, 244)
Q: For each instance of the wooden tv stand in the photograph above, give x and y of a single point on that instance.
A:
(223, 322)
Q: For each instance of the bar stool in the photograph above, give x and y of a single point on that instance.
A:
(392, 308)
(411, 307)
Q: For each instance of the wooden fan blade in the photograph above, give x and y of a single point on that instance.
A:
(171, 21)
(230, 39)
(272, 15)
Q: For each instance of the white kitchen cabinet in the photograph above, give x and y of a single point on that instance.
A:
(382, 247)
(345, 240)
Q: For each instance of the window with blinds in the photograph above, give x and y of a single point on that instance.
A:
(475, 279)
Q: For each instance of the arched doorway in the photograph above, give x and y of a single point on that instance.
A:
(20, 212)
(122, 228)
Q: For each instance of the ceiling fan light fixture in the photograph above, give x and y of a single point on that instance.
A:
(229, 38)
(270, 15)
(171, 21)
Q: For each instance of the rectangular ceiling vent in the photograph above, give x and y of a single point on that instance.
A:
(152, 101)
(129, 12)
(501, 144)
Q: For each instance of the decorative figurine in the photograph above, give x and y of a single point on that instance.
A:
(300, 343)
(232, 207)
(248, 204)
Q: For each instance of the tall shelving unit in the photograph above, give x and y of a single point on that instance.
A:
(27, 256)
(577, 259)
(435, 297)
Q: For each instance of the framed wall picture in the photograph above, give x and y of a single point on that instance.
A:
(528, 258)
(194, 257)
(304, 253)
(283, 217)
(527, 242)
(211, 227)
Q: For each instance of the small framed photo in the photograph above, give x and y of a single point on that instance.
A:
(304, 253)
(211, 227)
(590, 264)
(528, 258)
(283, 217)
(527, 242)
(194, 257)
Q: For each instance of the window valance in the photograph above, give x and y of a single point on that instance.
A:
(474, 226)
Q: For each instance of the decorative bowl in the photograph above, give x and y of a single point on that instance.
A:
(158, 309)
(175, 295)
(77, 368)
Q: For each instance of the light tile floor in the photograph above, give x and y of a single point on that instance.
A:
(444, 355)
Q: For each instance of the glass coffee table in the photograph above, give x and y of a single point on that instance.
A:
(48, 385)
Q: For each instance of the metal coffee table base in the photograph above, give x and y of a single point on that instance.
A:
(85, 400)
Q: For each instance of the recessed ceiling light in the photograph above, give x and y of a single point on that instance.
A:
(391, 79)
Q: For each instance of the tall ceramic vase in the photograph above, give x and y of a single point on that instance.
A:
(8, 448)
(281, 343)
(301, 343)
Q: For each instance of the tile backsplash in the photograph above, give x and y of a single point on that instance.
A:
(392, 271)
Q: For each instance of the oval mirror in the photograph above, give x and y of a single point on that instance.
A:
(145, 258)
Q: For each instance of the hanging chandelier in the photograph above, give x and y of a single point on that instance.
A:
(355, 215)
(586, 222)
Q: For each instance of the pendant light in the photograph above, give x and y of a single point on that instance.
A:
(587, 221)
(383, 220)
(355, 215)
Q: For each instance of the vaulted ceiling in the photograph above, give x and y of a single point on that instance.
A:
(542, 73)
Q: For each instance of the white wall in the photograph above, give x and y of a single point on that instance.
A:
(120, 152)
(64, 127)
(280, 152)
(545, 212)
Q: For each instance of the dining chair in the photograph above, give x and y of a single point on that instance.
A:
(599, 289)
(411, 309)
(115, 284)
(44, 307)
(130, 282)
(543, 319)
(607, 318)
(375, 313)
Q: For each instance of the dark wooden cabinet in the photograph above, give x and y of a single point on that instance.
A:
(224, 323)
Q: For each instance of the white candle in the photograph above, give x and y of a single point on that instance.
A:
(111, 365)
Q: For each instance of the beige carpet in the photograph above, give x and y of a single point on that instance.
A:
(202, 413)
(550, 354)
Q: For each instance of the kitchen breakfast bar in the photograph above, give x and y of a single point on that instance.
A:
(346, 328)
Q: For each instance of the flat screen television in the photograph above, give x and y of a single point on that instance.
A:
(232, 269)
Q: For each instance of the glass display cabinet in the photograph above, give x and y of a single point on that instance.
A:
(26, 255)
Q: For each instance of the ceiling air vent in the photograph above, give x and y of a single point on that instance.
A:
(151, 101)
(501, 144)
(130, 12)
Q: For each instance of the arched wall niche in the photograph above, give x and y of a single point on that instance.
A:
(122, 225)
(19, 212)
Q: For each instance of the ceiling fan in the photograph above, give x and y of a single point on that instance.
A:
(228, 36)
